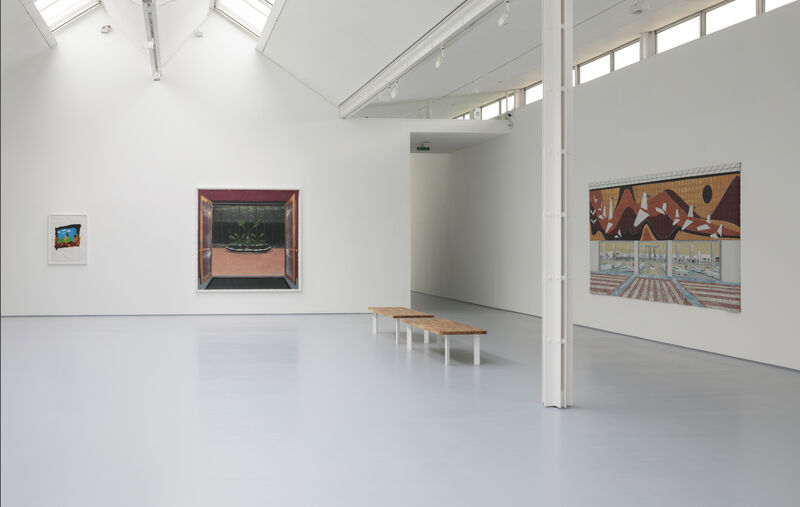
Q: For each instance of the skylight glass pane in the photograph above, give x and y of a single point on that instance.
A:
(57, 13)
(533, 93)
(511, 102)
(251, 14)
(490, 111)
(626, 56)
(679, 34)
(729, 14)
(503, 106)
(595, 69)
(774, 4)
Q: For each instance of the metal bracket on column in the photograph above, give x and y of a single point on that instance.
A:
(152, 44)
(556, 147)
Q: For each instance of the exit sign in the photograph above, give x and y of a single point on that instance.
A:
(423, 148)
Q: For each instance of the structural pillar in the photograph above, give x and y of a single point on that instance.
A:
(556, 140)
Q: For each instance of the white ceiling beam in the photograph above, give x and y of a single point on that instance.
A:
(152, 44)
(38, 20)
(269, 26)
(450, 27)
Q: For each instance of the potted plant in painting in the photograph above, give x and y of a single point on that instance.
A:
(248, 239)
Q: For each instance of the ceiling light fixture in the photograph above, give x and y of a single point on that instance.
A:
(639, 6)
(440, 59)
(503, 21)
(393, 90)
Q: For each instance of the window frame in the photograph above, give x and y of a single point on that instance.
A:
(698, 14)
(70, 19)
(238, 23)
(637, 40)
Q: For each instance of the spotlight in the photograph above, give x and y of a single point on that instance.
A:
(439, 59)
(503, 21)
(639, 6)
(393, 90)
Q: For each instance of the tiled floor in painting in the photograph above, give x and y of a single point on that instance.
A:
(316, 411)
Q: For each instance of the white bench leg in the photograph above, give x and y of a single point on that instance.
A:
(374, 323)
(396, 331)
(446, 350)
(476, 348)
(427, 336)
(408, 337)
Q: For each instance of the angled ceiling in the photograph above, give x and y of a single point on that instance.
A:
(177, 21)
(337, 46)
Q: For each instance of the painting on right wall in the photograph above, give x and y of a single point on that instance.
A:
(670, 238)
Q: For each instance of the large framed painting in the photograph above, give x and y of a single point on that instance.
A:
(670, 238)
(67, 239)
(248, 239)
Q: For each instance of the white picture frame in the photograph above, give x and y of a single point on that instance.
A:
(67, 229)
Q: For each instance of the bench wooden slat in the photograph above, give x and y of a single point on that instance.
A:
(444, 326)
(399, 312)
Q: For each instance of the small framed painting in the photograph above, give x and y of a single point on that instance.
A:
(67, 236)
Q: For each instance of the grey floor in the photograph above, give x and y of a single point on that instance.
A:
(316, 411)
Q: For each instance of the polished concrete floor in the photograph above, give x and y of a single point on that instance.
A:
(316, 411)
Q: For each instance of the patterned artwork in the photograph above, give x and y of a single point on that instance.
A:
(67, 239)
(671, 238)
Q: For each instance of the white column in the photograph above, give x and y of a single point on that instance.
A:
(556, 138)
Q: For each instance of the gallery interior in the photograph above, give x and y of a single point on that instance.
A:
(429, 253)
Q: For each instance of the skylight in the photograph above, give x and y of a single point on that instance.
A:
(250, 14)
(57, 13)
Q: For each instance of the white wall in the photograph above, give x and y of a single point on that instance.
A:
(20, 40)
(430, 216)
(729, 97)
(84, 129)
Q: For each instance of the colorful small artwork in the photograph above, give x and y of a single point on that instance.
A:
(248, 239)
(67, 239)
(68, 236)
(671, 238)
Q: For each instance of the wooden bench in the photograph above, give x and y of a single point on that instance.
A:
(447, 328)
(395, 312)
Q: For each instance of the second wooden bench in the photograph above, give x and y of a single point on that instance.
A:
(446, 328)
